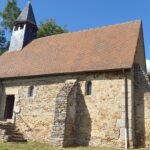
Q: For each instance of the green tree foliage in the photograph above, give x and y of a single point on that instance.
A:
(3, 43)
(50, 28)
(10, 14)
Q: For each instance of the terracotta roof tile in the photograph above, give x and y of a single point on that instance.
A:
(111, 47)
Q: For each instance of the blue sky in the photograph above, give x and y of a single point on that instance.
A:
(84, 14)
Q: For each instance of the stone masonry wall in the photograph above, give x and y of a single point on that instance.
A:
(141, 97)
(99, 118)
(142, 107)
(37, 113)
(140, 52)
(63, 133)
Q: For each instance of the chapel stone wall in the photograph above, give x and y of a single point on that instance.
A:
(99, 118)
(142, 107)
(141, 97)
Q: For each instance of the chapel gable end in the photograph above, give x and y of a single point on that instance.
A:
(139, 58)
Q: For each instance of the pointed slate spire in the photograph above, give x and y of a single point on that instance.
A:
(27, 15)
(25, 29)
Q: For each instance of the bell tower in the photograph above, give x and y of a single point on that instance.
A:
(25, 29)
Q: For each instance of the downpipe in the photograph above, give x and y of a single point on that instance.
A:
(126, 109)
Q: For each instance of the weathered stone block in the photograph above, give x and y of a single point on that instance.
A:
(120, 123)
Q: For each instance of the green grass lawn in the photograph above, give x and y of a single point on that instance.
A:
(39, 146)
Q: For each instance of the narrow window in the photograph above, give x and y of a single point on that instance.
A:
(31, 91)
(21, 26)
(16, 28)
(89, 88)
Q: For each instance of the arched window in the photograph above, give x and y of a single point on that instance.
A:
(88, 88)
(31, 91)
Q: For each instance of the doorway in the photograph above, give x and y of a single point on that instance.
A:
(10, 99)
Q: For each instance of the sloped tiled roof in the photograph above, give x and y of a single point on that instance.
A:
(105, 48)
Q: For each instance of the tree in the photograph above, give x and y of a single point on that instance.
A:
(3, 43)
(50, 28)
(9, 15)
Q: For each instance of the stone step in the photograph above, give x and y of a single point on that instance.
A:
(17, 140)
(11, 128)
(16, 136)
(9, 133)
(14, 133)
(5, 126)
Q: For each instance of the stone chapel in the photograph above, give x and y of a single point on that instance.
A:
(86, 88)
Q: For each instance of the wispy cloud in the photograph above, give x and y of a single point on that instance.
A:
(148, 65)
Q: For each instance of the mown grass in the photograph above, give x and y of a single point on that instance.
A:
(39, 146)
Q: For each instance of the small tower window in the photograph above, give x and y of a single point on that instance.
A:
(31, 91)
(21, 26)
(88, 89)
(16, 28)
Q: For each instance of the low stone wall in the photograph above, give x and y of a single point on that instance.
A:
(2, 136)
